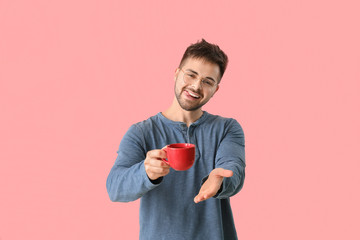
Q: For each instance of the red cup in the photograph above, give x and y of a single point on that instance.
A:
(180, 156)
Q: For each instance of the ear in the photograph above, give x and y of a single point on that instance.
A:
(177, 70)
(217, 88)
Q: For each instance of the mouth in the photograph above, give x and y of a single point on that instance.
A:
(191, 94)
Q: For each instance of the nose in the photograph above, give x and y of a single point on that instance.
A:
(197, 84)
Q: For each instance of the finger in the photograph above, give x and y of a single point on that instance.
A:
(164, 147)
(158, 163)
(197, 199)
(200, 197)
(159, 170)
(157, 153)
(227, 173)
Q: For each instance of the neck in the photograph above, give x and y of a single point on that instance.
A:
(176, 113)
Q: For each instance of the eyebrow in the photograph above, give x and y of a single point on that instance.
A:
(210, 78)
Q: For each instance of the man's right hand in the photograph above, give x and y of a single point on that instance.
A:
(154, 166)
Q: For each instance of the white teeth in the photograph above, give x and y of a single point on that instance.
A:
(193, 95)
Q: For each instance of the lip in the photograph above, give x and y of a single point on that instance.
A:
(187, 94)
(194, 93)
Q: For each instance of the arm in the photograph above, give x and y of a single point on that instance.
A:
(231, 155)
(127, 180)
(228, 176)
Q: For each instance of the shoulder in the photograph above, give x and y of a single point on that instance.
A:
(223, 122)
(227, 128)
(138, 132)
(144, 125)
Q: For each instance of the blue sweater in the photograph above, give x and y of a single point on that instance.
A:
(167, 209)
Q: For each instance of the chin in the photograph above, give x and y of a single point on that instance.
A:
(190, 108)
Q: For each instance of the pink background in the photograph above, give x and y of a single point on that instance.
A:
(74, 75)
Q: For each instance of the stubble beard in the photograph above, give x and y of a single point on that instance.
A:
(184, 105)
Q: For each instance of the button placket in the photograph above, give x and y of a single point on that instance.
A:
(190, 133)
(183, 128)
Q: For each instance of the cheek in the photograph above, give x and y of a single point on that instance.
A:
(208, 96)
(179, 85)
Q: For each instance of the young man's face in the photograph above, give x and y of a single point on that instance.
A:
(192, 95)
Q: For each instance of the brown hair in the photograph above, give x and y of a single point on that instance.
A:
(207, 51)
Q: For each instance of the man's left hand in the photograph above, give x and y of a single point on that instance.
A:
(212, 185)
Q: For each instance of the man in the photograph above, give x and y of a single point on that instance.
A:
(192, 204)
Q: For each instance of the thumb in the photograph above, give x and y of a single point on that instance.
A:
(221, 172)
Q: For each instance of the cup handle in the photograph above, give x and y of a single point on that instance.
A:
(164, 160)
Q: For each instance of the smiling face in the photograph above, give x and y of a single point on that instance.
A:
(192, 96)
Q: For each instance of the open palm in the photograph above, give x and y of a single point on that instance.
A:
(212, 185)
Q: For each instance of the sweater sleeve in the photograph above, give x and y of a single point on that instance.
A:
(231, 155)
(127, 180)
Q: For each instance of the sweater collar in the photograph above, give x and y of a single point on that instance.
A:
(182, 124)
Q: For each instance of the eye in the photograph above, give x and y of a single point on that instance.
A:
(209, 82)
(191, 75)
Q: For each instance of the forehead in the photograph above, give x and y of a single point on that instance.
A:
(202, 67)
